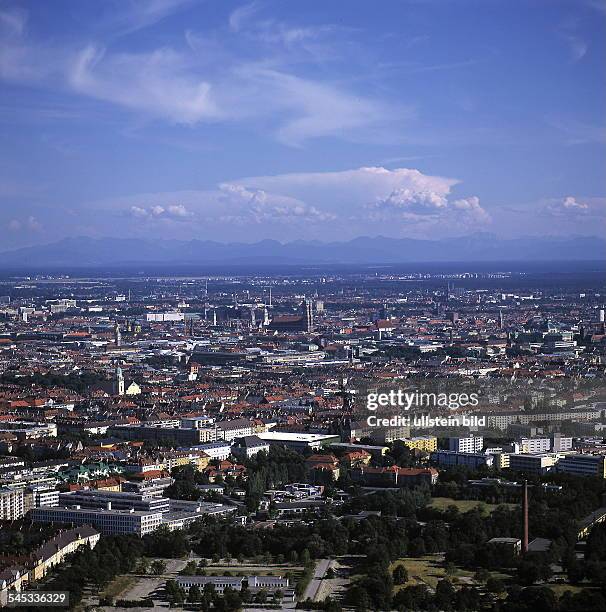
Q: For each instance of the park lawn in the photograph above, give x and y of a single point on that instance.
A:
(117, 586)
(560, 589)
(427, 570)
(463, 505)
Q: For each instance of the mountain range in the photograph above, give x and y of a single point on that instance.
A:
(99, 252)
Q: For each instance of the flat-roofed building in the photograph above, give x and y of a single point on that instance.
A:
(535, 445)
(220, 583)
(581, 464)
(124, 500)
(12, 504)
(215, 450)
(472, 460)
(536, 464)
(237, 428)
(107, 522)
(426, 444)
(468, 444)
(298, 441)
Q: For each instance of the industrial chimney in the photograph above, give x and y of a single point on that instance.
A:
(525, 518)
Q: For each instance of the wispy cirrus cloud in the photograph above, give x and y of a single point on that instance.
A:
(182, 84)
(127, 16)
(158, 83)
(577, 131)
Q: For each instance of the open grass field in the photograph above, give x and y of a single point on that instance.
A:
(464, 505)
(560, 589)
(117, 586)
(429, 570)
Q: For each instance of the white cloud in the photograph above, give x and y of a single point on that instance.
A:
(242, 15)
(572, 207)
(29, 224)
(272, 31)
(348, 189)
(139, 212)
(428, 207)
(407, 200)
(314, 205)
(577, 46)
(173, 212)
(208, 81)
(13, 20)
(244, 205)
(132, 15)
(158, 83)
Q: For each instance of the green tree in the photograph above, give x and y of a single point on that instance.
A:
(158, 567)
(195, 594)
(400, 575)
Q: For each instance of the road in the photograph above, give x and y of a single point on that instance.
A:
(315, 583)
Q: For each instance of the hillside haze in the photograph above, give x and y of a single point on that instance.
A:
(84, 251)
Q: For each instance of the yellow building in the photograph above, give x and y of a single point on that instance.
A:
(198, 459)
(47, 556)
(427, 444)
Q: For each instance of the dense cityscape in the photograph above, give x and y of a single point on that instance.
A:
(207, 442)
(303, 305)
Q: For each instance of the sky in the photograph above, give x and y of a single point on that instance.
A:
(314, 120)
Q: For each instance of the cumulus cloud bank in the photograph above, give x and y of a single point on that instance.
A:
(347, 203)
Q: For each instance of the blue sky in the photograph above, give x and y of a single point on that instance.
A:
(301, 120)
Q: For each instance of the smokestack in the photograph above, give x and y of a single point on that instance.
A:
(525, 518)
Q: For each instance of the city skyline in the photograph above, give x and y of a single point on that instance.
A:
(249, 121)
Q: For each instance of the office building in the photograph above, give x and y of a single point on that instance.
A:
(108, 522)
(449, 458)
(583, 465)
(536, 464)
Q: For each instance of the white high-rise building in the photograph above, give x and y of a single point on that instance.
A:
(470, 444)
(11, 504)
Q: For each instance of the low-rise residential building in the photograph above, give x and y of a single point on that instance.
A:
(249, 446)
(215, 450)
(427, 444)
(45, 557)
(394, 476)
(237, 428)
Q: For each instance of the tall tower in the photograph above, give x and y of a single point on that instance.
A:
(309, 315)
(117, 334)
(500, 319)
(525, 518)
(119, 382)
